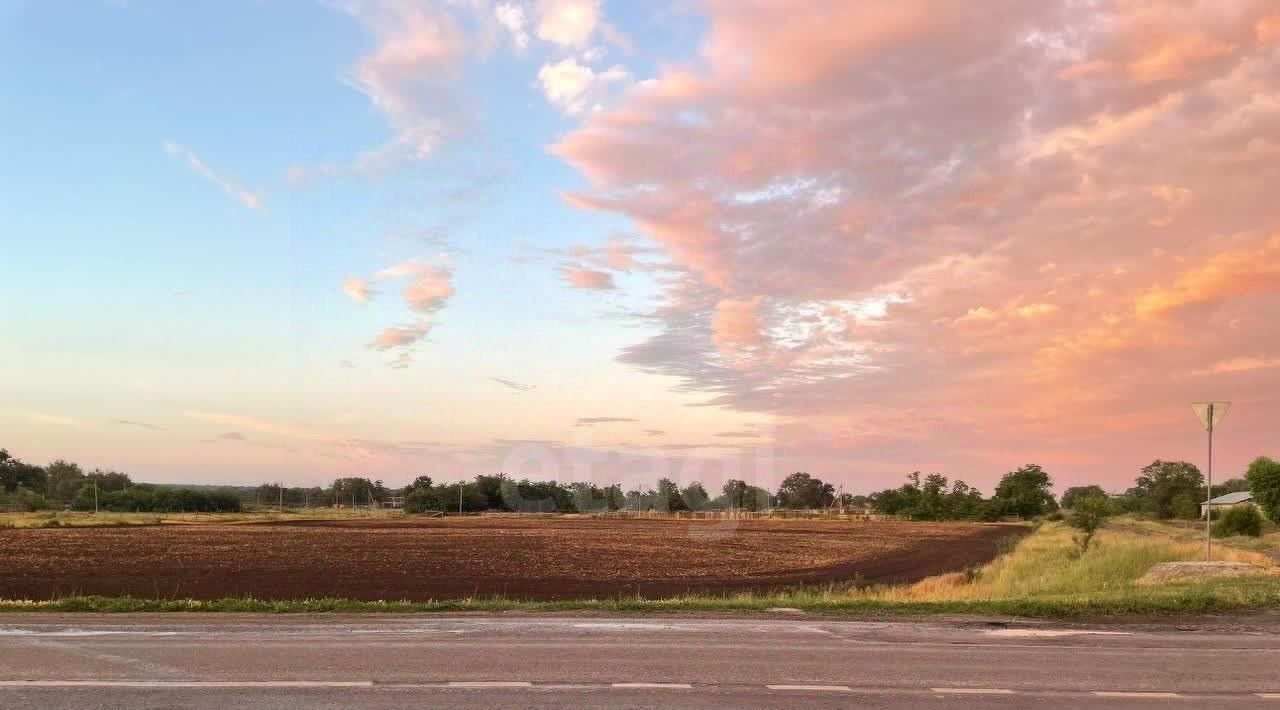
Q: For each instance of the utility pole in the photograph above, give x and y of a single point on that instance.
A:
(460, 498)
(280, 505)
(95, 497)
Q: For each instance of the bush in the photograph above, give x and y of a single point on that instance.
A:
(1088, 516)
(143, 498)
(25, 500)
(1239, 520)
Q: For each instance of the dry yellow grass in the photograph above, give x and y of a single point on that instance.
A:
(1047, 564)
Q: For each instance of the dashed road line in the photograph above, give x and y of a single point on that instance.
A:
(534, 686)
(821, 688)
(186, 684)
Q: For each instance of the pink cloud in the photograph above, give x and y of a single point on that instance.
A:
(588, 278)
(401, 336)
(1059, 207)
(429, 291)
(357, 289)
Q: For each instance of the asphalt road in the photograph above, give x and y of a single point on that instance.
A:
(225, 661)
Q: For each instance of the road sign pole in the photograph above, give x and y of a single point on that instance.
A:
(1208, 491)
(1210, 414)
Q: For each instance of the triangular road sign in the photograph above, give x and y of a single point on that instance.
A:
(1210, 413)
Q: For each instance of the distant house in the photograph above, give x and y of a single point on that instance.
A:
(1223, 502)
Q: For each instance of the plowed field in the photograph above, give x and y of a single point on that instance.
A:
(419, 559)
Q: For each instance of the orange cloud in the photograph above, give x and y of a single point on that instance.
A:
(1234, 273)
(735, 326)
(1174, 57)
(1238, 364)
(1267, 30)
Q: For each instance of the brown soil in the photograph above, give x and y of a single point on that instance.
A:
(419, 559)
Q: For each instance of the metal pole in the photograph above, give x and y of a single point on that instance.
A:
(95, 497)
(459, 498)
(1208, 489)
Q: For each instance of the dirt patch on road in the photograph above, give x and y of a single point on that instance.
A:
(419, 559)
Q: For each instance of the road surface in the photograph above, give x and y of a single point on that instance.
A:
(242, 661)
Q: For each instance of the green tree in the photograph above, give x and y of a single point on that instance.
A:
(1231, 485)
(800, 490)
(419, 482)
(668, 498)
(1075, 493)
(695, 496)
(355, 491)
(1089, 512)
(740, 495)
(614, 499)
(1026, 492)
(15, 474)
(64, 480)
(109, 481)
(1164, 487)
(1264, 482)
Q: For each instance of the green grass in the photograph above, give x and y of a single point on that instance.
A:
(1222, 595)
(1043, 576)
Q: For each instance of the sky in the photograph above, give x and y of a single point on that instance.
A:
(617, 240)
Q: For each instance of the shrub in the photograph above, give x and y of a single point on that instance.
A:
(1088, 515)
(25, 500)
(1239, 520)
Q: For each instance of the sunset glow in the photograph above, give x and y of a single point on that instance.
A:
(615, 241)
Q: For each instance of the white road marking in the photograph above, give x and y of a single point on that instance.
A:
(1268, 696)
(1132, 694)
(1051, 633)
(185, 684)
(973, 691)
(80, 633)
(669, 686)
(827, 688)
(490, 684)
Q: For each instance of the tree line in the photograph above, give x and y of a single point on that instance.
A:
(1164, 489)
(63, 484)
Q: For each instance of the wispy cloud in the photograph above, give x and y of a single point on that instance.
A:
(588, 421)
(140, 425)
(512, 384)
(57, 419)
(357, 289)
(240, 194)
(591, 279)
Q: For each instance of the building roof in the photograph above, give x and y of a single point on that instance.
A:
(1232, 498)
